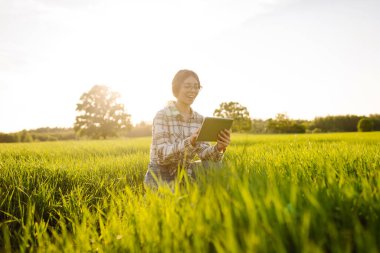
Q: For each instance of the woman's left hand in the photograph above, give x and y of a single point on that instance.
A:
(223, 140)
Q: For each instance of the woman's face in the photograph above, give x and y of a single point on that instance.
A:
(188, 91)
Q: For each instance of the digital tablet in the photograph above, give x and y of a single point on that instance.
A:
(211, 127)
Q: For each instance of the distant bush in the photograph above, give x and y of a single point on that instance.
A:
(259, 126)
(376, 121)
(282, 124)
(40, 134)
(53, 134)
(8, 138)
(140, 130)
(365, 125)
(25, 136)
(339, 123)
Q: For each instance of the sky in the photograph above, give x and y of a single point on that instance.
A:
(305, 58)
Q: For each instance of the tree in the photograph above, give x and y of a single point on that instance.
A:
(258, 126)
(282, 124)
(365, 125)
(237, 112)
(7, 137)
(24, 136)
(100, 115)
(376, 121)
(339, 123)
(141, 129)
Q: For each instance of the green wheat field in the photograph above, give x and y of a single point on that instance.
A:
(275, 193)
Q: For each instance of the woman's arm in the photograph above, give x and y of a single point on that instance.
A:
(208, 152)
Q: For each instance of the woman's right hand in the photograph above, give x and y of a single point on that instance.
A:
(194, 136)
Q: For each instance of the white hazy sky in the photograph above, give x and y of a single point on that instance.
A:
(305, 58)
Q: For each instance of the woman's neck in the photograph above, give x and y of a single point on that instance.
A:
(183, 108)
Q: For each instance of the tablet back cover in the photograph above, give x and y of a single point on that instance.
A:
(211, 127)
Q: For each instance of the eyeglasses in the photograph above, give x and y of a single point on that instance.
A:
(189, 86)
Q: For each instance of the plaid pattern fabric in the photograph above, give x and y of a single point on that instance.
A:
(171, 140)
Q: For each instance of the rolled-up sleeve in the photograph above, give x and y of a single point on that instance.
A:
(209, 152)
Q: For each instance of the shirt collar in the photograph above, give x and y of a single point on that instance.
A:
(174, 112)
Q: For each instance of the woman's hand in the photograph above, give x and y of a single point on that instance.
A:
(194, 136)
(223, 140)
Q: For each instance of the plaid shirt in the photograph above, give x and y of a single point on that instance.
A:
(171, 139)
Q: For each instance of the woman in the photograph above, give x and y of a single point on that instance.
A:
(174, 132)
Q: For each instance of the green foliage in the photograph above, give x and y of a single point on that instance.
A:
(282, 124)
(7, 138)
(275, 193)
(40, 134)
(140, 130)
(100, 115)
(63, 134)
(237, 112)
(24, 136)
(365, 125)
(258, 126)
(376, 121)
(339, 123)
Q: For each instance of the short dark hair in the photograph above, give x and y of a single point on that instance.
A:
(180, 77)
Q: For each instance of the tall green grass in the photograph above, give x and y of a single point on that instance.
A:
(275, 193)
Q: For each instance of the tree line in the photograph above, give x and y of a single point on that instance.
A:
(280, 124)
(283, 124)
(329, 124)
(100, 115)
